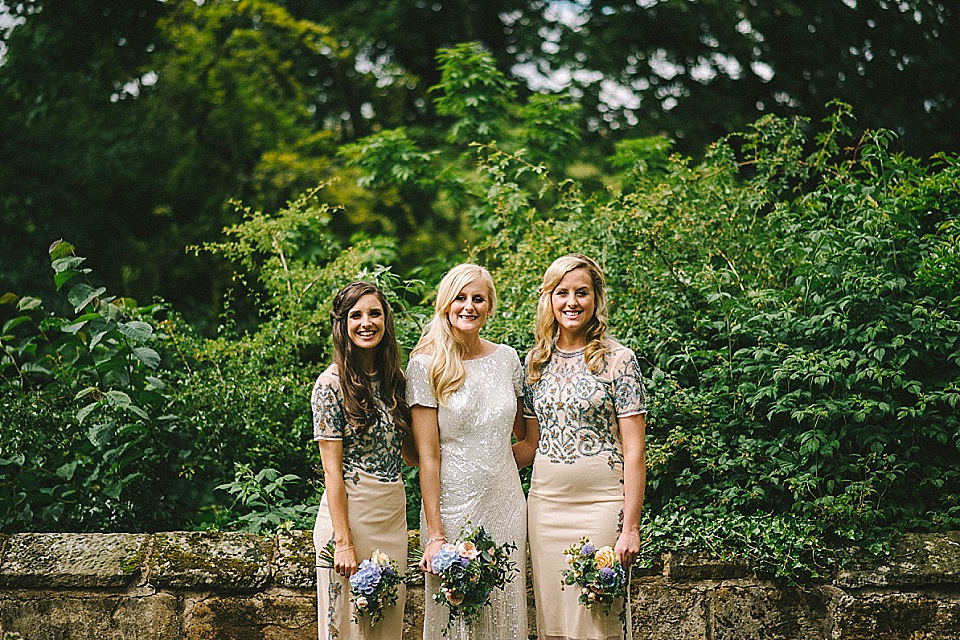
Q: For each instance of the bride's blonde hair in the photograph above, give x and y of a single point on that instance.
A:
(547, 327)
(446, 371)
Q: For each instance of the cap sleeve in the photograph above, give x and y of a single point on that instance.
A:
(328, 418)
(517, 373)
(629, 395)
(418, 383)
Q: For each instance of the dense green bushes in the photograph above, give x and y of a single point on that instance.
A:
(798, 317)
(794, 301)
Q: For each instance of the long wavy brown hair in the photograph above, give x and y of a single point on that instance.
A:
(547, 327)
(355, 386)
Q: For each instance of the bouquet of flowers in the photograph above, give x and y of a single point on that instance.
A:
(597, 572)
(372, 587)
(469, 571)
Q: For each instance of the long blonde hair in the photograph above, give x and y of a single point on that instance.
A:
(446, 371)
(547, 327)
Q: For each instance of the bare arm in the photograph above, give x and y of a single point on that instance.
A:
(408, 450)
(331, 457)
(519, 424)
(426, 434)
(525, 450)
(633, 436)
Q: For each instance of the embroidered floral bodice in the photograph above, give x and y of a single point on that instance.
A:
(376, 450)
(578, 410)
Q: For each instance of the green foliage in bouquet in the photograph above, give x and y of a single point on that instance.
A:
(596, 572)
(469, 570)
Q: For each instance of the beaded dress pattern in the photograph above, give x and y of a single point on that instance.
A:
(479, 483)
(576, 488)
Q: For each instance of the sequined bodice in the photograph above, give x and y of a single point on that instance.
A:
(479, 482)
(475, 426)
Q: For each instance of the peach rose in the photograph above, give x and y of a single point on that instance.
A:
(605, 558)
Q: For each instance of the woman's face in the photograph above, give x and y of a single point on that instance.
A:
(573, 301)
(470, 308)
(365, 322)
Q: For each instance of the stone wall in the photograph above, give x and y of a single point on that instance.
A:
(234, 586)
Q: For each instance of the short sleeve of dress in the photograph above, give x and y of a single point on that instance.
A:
(517, 373)
(329, 421)
(629, 395)
(418, 383)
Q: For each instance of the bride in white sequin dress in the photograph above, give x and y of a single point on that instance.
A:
(465, 395)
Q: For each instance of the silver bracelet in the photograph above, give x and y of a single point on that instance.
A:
(430, 541)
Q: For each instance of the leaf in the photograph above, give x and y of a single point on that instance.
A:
(118, 399)
(136, 330)
(85, 411)
(14, 322)
(59, 249)
(65, 264)
(84, 393)
(147, 356)
(83, 294)
(27, 303)
(63, 277)
(73, 328)
(35, 367)
(67, 470)
(101, 434)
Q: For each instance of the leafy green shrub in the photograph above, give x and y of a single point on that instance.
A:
(799, 338)
(794, 300)
(79, 449)
(260, 502)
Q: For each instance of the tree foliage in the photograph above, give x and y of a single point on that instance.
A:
(698, 71)
(794, 297)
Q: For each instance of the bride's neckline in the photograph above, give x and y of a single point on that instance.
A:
(496, 348)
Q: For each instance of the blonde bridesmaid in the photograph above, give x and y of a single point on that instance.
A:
(584, 412)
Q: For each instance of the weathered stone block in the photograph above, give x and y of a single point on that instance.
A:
(274, 616)
(72, 559)
(666, 611)
(917, 559)
(59, 616)
(413, 612)
(897, 616)
(295, 561)
(694, 566)
(767, 611)
(200, 560)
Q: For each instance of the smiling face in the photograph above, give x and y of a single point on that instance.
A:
(574, 303)
(365, 322)
(470, 307)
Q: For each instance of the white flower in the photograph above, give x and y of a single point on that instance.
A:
(569, 558)
(361, 602)
(468, 550)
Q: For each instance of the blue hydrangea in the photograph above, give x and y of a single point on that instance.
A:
(608, 575)
(587, 550)
(444, 559)
(367, 577)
